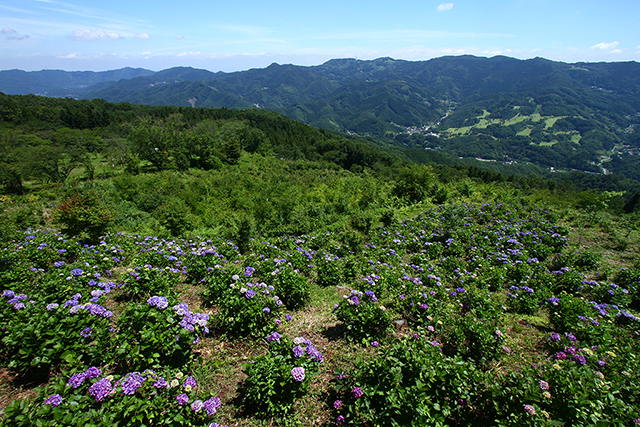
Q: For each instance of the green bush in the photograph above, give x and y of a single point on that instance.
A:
(277, 379)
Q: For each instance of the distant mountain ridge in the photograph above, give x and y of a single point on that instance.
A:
(59, 83)
(499, 108)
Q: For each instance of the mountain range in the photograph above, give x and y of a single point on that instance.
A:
(583, 116)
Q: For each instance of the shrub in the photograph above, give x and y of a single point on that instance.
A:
(84, 216)
(158, 332)
(280, 377)
(363, 316)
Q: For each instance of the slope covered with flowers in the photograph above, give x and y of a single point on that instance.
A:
(464, 315)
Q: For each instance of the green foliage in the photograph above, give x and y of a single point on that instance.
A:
(412, 383)
(272, 386)
(108, 399)
(38, 337)
(365, 318)
(84, 216)
(158, 333)
(292, 287)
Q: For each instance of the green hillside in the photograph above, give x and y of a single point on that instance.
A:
(182, 266)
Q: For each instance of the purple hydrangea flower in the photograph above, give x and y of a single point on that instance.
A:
(298, 351)
(529, 409)
(250, 294)
(274, 336)
(578, 358)
(212, 405)
(76, 380)
(100, 389)
(356, 392)
(337, 404)
(197, 405)
(132, 382)
(297, 373)
(288, 318)
(543, 385)
(190, 381)
(86, 332)
(92, 372)
(340, 419)
(53, 400)
(77, 272)
(161, 383)
(314, 353)
(182, 399)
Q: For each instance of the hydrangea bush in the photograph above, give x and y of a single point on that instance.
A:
(277, 379)
(94, 397)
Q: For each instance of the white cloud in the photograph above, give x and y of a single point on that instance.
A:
(445, 6)
(9, 31)
(616, 51)
(189, 54)
(142, 36)
(605, 46)
(94, 34)
(180, 37)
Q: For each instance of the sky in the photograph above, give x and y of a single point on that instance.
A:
(238, 35)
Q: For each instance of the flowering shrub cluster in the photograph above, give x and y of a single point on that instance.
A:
(277, 379)
(438, 301)
(158, 333)
(150, 397)
(364, 316)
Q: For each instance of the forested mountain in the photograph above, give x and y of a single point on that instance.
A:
(582, 116)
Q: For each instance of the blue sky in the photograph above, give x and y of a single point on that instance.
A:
(242, 34)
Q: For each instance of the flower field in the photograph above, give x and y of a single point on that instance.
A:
(468, 314)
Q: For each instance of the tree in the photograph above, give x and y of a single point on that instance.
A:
(84, 215)
(413, 183)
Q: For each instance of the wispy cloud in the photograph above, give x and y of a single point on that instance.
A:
(445, 6)
(605, 46)
(180, 37)
(94, 34)
(142, 36)
(13, 34)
